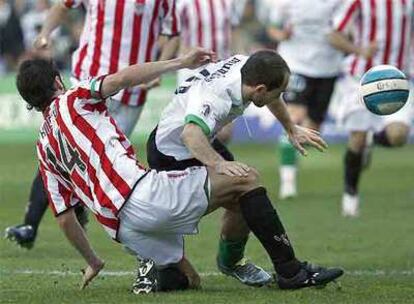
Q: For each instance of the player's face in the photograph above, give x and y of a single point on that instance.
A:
(263, 97)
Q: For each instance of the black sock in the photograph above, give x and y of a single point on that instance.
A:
(353, 169)
(381, 139)
(265, 224)
(37, 204)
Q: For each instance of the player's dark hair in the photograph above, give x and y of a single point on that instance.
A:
(265, 67)
(35, 82)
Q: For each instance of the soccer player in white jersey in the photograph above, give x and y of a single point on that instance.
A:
(217, 94)
(382, 31)
(208, 24)
(301, 27)
(116, 34)
(85, 158)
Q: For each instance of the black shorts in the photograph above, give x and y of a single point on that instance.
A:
(161, 162)
(313, 93)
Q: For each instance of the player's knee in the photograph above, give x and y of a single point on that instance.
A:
(397, 134)
(250, 182)
(357, 141)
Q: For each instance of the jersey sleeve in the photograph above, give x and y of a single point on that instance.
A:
(91, 90)
(60, 196)
(206, 110)
(71, 3)
(171, 21)
(346, 14)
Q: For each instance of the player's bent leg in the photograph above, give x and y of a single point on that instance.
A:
(264, 222)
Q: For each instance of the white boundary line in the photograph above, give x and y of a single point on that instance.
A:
(354, 273)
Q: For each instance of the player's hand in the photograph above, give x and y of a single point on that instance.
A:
(91, 271)
(302, 136)
(369, 51)
(41, 42)
(232, 168)
(197, 57)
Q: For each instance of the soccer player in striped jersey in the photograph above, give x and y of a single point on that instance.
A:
(297, 26)
(381, 31)
(85, 158)
(208, 24)
(116, 34)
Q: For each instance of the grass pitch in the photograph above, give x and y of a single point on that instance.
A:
(376, 249)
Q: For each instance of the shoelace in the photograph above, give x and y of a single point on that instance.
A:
(246, 267)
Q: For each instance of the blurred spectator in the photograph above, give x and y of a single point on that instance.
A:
(11, 36)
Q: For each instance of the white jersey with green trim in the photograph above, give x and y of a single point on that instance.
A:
(211, 98)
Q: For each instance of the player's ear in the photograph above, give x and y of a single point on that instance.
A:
(261, 89)
(59, 85)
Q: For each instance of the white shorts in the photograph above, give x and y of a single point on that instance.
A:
(126, 117)
(354, 116)
(163, 207)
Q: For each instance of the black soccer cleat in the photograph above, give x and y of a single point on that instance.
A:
(310, 275)
(146, 280)
(22, 235)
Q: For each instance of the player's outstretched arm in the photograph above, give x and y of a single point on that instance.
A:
(142, 73)
(76, 235)
(298, 136)
(54, 19)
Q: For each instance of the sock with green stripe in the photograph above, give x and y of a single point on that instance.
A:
(230, 252)
(288, 154)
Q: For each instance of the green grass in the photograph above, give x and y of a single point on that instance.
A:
(376, 249)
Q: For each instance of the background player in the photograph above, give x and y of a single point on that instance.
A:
(116, 34)
(84, 157)
(298, 26)
(208, 24)
(381, 31)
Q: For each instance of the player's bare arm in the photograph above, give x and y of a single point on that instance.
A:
(198, 144)
(54, 19)
(143, 73)
(341, 42)
(299, 136)
(76, 235)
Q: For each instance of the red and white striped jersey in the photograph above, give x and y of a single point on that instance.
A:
(119, 33)
(208, 23)
(386, 22)
(84, 157)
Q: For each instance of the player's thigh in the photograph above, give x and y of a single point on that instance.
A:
(296, 97)
(225, 191)
(163, 249)
(322, 90)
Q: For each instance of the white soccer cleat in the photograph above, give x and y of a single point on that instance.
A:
(288, 187)
(350, 205)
